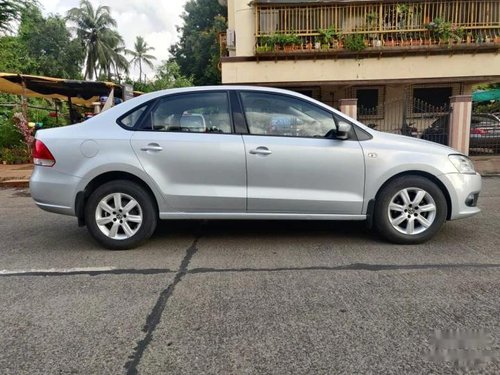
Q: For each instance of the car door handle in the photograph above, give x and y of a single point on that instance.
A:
(261, 151)
(152, 147)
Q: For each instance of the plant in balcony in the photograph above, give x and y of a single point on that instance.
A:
(266, 45)
(444, 31)
(354, 42)
(497, 38)
(290, 42)
(326, 36)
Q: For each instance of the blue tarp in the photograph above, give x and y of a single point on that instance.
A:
(486, 95)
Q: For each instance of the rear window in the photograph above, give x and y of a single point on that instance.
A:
(131, 118)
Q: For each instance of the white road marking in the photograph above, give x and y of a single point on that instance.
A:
(57, 270)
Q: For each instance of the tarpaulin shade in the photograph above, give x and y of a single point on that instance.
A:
(486, 95)
(80, 92)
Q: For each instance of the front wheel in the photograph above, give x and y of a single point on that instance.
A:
(410, 210)
(120, 215)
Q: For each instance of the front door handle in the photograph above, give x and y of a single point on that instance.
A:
(155, 147)
(261, 151)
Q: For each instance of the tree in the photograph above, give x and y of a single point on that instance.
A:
(197, 51)
(10, 10)
(168, 75)
(140, 55)
(49, 45)
(94, 28)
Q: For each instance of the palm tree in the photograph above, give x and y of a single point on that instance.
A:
(118, 63)
(94, 28)
(140, 55)
(10, 10)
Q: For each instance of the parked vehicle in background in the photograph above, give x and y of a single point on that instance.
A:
(484, 131)
(236, 152)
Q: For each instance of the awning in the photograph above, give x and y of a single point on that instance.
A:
(80, 92)
(486, 95)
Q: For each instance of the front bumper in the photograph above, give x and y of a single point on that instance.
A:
(54, 191)
(462, 187)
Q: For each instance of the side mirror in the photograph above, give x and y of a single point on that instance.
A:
(343, 130)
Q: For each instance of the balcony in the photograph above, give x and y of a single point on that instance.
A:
(316, 30)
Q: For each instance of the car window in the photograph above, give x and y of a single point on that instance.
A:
(206, 112)
(131, 118)
(274, 114)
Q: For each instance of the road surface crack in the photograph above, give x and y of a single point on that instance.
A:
(154, 317)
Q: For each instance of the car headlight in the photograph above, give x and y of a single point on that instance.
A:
(463, 164)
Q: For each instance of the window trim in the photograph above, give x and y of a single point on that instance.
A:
(156, 102)
(335, 117)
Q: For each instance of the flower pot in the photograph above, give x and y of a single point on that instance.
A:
(497, 39)
(317, 45)
(377, 43)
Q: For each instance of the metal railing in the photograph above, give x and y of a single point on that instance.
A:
(474, 20)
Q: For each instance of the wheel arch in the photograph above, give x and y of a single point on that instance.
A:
(427, 175)
(82, 196)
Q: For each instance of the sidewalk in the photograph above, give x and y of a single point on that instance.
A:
(18, 175)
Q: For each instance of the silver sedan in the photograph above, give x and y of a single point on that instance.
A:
(231, 152)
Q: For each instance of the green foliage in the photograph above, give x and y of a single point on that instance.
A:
(168, 75)
(197, 51)
(354, 42)
(14, 57)
(326, 35)
(49, 46)
(444, 30)
(9, 136)
(11, 10)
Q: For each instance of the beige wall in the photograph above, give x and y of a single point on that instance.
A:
(410, 67)
(241, 19)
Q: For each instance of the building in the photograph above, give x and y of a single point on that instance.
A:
(402, 61)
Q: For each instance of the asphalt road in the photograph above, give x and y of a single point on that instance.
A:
(248, 298)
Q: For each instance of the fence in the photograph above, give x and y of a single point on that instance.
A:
(475, 20)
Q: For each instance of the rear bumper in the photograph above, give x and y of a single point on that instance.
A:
(461, 188)
(54, 191)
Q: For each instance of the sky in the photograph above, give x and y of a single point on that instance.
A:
(155, 20)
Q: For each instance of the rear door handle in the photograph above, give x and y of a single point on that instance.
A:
(155, 147)
(261, 150)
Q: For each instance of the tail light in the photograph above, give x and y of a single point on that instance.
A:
(479, 131)
(41, 155)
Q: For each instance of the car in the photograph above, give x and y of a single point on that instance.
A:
(484, 131)
(238, 152)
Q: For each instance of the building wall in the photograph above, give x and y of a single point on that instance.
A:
(377, 69)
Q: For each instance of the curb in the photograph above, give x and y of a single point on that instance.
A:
(14, 183)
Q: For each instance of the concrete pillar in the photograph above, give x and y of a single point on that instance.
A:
(459, 126)
(349, 107)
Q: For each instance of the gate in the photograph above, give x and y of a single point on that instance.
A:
(484, 134)
(410, 117)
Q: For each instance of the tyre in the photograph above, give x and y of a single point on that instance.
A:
(120, 215)
(410, 210)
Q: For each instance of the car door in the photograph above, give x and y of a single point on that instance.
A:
(294, 165)
(186, 144)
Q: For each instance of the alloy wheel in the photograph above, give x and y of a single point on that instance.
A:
(118, 216)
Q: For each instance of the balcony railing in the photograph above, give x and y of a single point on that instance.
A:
(331, 27)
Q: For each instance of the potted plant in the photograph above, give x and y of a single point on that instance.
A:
(326, 36)
(497, 38)
(354, 42)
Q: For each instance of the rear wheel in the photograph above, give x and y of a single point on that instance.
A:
(410, 210)
(120, 215)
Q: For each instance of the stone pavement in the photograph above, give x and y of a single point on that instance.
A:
(18, 175)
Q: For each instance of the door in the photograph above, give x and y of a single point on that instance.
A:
(293, 163)
(187, 146)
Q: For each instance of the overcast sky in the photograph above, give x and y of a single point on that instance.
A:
(155, 20)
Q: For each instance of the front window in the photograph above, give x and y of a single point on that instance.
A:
(274, 114)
